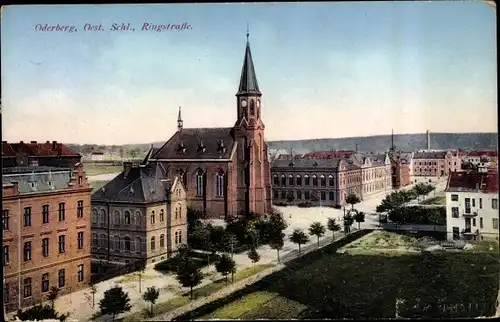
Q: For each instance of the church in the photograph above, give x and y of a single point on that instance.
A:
(225, 170)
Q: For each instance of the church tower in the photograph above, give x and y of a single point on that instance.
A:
(254, 186)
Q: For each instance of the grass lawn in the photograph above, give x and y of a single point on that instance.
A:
(96, 185)
(179, 301)
(434, 201)
(336, 285)
(95, 169)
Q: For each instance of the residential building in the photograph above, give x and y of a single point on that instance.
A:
(328, 181)
(435, 163)
(50, 154)
(486, 159)
(46, 233)
(225, 171)
(139, 216)
(472, 205)
(97, 156)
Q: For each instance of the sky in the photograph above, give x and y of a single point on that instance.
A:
(326, 70)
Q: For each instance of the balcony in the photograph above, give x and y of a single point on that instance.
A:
(470, 232)
(469, 214)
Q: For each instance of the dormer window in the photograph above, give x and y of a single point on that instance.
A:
(51, 184)
(291, 164)
(33, 185)
(221, 148)
(201, 147)
(131, 191)
(181, 148)
(315, 164)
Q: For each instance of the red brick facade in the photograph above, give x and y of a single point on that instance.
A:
(26, 263)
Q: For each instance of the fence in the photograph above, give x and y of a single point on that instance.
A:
(416, 228)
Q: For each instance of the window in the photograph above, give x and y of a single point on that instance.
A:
(61, 277)
(45, 282)
(481, 224)
(94, 216)
(45, 247)
(176, 211)
(138, 244)
(27, 251)
(127, 218)
(80, 240)
(454, 197)
(162, 216)
(62, 242)
(252, 108)
(5, 255)
(153, 243)
(323, 181)
(275, 195)
(102, 240)
(467, 205)
(307, 195)
(299, 195)
(180, 237)
(495, 223)
(283, 180)
(219, 184)
(454, 212)
(176, 237)
(180, 212)
(80, 273)
(152, 217)
(103, 216)
(299, 180)
(199, 183)
(162, 241)
(480, 203)
(117, 244)
(45, 214)
(5, 219)
(283, 194)
(330, 181)
(137, 219)
(95, 240)
(331, 195)
(116, 217)
(6, 293)
(27, 287)
(79, 209)
(27, 216)
(315, 180)
(306, 180)
(494, 203)
(290, 180)
(276, 180)
(62, 211)
(127, 243)
(473, 202)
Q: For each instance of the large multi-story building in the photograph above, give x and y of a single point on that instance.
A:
(51, 154)
(328, 181)
(225, 171)
(139, 216)
(46, 233)
(487, 159)
(400, 169)
(435, 163)
(472, 205)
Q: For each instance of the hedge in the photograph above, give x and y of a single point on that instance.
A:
(200, 260)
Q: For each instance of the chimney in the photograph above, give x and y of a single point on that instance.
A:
(21, 142)
(47, 142)
(428, 140)
(34, 142)
(127, 166)
(54, 145)
(4, 142)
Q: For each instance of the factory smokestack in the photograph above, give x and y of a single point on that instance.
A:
(428, 140)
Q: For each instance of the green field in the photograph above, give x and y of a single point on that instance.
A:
(96, 169)
(340, 285)
(96, 185)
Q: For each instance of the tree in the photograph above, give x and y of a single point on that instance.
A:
(190, 276)
(317, 229)
(359, 217)
(40, 312)
(225, 266)
(253, 255)
(115, 301)
(348, 221)
(299, 237)
(93, 290)
(151, 295)
(277, 223)
(52, 296)
(277, 242)
(352, 199)
(333, 226)
(218, 238)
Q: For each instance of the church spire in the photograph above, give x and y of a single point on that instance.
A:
(248, 80)
(179, 120)
(392, 141)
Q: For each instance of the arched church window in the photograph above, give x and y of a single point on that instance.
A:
(252, 107)
(283, 180)
(330, 181)
(323, 181)
(220, 183)
(276, 181)
(290, 180)
(306, 180)
(299, 180)
(315, 180)
(199, 183)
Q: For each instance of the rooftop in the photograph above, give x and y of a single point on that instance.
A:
(33, 148)
(32, 169)
(486, 182)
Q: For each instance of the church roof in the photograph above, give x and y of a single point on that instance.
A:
(248, 80)
(197, 144)
(141, 184)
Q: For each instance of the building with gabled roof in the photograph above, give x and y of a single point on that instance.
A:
(139, 216)
(51, 154)
(472, 205)
(225, 170)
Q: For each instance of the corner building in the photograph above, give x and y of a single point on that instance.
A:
(46, 233)
(225, 171)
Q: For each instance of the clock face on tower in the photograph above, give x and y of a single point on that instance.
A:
(243, 103)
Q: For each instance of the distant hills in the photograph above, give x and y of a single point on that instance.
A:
(376, 143)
